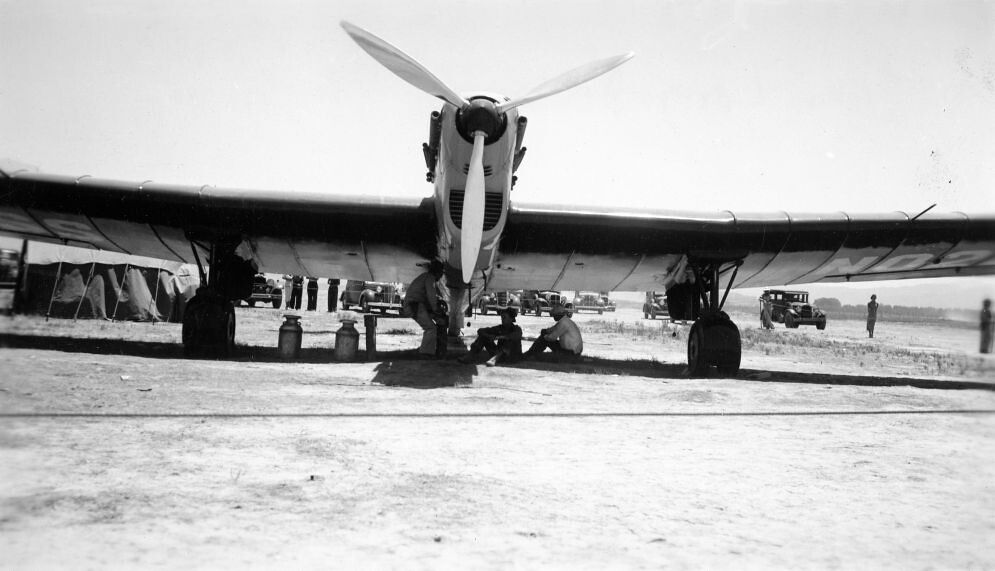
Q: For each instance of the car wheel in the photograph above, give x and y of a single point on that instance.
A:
(277, 303)
(251, 302)
(364, 305)
(789, 321)
(483, 310)
(820, 325)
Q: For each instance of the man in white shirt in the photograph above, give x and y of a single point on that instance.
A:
(422, 304)
(563, 338)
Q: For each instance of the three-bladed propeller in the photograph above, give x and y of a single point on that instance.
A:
(405, 67)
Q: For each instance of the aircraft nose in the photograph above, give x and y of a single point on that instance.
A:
(480, 115)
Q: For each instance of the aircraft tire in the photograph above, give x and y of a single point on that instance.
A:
(697, 364)
(714, 341)
(208, 326)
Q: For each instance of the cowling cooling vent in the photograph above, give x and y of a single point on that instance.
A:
(488, 171)
(492, 208)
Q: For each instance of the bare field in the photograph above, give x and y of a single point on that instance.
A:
(830, 451)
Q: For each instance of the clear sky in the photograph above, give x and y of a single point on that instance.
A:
(801, 106)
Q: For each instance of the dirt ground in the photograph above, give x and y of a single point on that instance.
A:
(830, 451)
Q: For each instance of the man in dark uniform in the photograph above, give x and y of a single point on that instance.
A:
(502, 342)
(296, 289)
(872, 315)
(422, 304)
(333, 294)
(986, 326)
(312, 294)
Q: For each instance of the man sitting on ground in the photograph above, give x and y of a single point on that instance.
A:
(563, 338)
(502, 342)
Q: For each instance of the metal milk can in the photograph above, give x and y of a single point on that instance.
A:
(346, 341)
(291, 333)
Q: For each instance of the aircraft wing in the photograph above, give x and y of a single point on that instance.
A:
(637, 250)
(377, 239)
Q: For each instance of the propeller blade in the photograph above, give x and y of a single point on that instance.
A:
(570, 79)
(402, 65)
(473, 209)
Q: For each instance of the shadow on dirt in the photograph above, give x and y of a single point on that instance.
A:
(403, 368)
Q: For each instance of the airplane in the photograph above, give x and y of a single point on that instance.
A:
(486, 241)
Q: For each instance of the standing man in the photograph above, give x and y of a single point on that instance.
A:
(987, 326)
(312, 294)
(333, 294)
(502, 342)
(421, 302)
(563, 338)
(295, 291)
(288, 285)
(765, 312)
(872, 315)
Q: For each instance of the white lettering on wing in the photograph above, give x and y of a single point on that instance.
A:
(73, 230)
(903, 262)
(13, 221)
(846, 266)
(964, 258)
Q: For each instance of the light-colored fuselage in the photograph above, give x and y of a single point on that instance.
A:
(454, 150)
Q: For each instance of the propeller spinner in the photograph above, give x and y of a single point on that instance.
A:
(479, 121)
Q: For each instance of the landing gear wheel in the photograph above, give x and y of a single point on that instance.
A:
(208, 326)
(697, 364)
(714, 341)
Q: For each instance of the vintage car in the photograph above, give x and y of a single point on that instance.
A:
(655, 304)
(265, 290)
(541, 301)
(589, 301)
(791, 307)
(498, 300)
(609, 303)
(8, 279)
(369, 296)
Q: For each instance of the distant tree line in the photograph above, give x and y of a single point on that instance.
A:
(833, 307)
(898, 313)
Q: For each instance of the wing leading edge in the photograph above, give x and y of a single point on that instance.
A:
(285, 232)
(628, 250)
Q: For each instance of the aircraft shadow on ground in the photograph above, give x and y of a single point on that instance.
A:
(405, 369)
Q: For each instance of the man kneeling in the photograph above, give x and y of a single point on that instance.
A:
(502, 342)
(563, 338)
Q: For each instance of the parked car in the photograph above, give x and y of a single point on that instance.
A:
(609, 303)
(655, 304)
(265, 290)
(498, 300)
(369, 296)
(8, 278)
(791, 307)
(588, 301)
(541, 301)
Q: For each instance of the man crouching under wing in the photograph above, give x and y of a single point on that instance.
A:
(563, 338)
(421, 302)
(502, 342)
